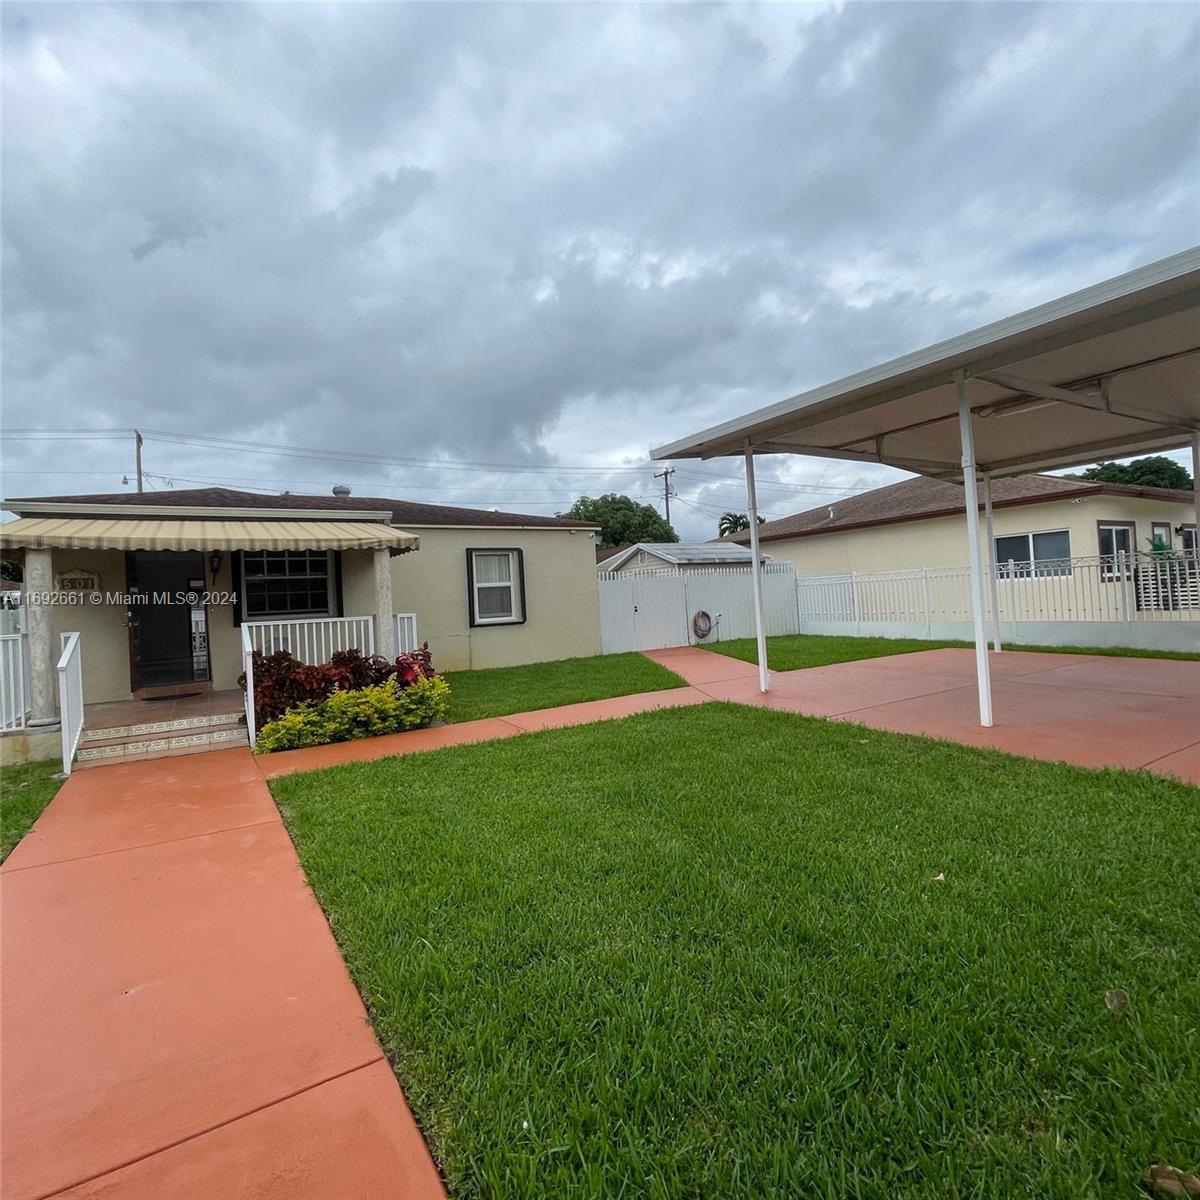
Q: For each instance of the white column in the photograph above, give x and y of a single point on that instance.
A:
(39, 577)
(385, 625)
(760, 620)
(991, 558)
(966, 434)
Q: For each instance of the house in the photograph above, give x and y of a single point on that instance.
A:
(673, 558)
(161, 586)
(1037, 518)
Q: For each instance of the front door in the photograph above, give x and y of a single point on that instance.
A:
(168, 642)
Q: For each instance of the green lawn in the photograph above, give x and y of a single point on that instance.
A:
(704, 953)
(504, 690)
(24, 792)
(794, 651)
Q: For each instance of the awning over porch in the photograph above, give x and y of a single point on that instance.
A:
(112, 533)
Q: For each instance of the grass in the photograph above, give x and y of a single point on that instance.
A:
(24, 792)
(704, 952)
(795, 651)
(503, 690)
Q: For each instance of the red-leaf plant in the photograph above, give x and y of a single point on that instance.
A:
(281, 681)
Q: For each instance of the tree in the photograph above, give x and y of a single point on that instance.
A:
(1155, 471)
(732, 522)
(622, 521)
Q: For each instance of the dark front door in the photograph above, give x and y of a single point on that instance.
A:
(163, 624)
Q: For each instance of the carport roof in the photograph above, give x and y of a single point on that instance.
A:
(1111, 370)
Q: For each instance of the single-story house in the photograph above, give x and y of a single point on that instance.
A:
(674, 558)
(1037, 518)
(161, 585)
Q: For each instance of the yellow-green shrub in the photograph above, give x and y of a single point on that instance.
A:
(359, 713)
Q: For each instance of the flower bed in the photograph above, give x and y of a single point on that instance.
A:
(351, 696)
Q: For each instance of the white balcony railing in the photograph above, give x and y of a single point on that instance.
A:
(248, 673)
(313, 640)
(70, 697)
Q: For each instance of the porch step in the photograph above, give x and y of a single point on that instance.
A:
(179, 726)
(112, 745)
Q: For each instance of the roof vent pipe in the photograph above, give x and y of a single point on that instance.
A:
(341, 490)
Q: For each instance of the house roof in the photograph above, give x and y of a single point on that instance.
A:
(701, 554)
(604, 553)
(922, 498)
(403, 512)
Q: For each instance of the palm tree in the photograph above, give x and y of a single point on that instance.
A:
(732, 522)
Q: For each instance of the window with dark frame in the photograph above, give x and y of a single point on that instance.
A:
(1117, 544)
(496, 586)
(1025, 555)
(286, 583)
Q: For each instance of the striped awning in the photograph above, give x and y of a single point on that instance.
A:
(109, 533)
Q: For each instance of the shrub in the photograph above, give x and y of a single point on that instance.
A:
(283, 683)
(351, 713)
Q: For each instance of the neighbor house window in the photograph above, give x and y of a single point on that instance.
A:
(1160, 535)
(1020, 555)
(496, 586)
(1189, 538)
(281, 583)
(1117, 543)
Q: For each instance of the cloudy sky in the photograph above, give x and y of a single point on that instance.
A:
(490, 254)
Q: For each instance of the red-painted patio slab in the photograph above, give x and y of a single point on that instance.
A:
(606, 710)
(156, 992)
(1091, 710)
(702, 666)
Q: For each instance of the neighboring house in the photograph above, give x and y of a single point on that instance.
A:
(674, 558)
(1037, 518)
(488, 588)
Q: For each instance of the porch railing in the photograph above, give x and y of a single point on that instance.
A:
(312, 640)
(248, 672)
(70, 698)
(14, 681)
(406, 632)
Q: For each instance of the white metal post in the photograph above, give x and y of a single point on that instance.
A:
(991, 539)
(760, 624)
(966, 434)
(1196, 498)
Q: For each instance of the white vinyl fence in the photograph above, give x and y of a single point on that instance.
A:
(1124, 600)
(650, 610)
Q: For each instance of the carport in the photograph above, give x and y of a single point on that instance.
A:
(1109, 371)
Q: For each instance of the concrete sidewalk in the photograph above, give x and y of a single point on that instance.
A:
(178, 1022)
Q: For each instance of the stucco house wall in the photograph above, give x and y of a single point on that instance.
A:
(942, 541)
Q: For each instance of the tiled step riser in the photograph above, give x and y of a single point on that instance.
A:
(149, 746)
(149, 729)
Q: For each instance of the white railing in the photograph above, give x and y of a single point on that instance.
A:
(14, 681)
(1125, 588)
(248, 672)
(313, 640)
(70, 697)
(406, 632)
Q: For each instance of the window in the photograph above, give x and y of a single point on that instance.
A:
(1116, 548)
(496, 587)
(1160, 535)
(1020, 555)
(281, 583)
(1189, 538)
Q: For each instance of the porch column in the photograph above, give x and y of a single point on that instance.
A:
(760, 620)
(39, 577)
(385, 626)
(966, 433)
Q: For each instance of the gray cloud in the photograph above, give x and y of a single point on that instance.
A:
(547, 236)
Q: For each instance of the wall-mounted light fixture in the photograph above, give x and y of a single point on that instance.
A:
(214, 563)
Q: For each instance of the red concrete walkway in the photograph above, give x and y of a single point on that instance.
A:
(178, 1022)
(1091, 710)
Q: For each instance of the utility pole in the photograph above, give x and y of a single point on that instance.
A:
(665, 475)
(137, 444)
